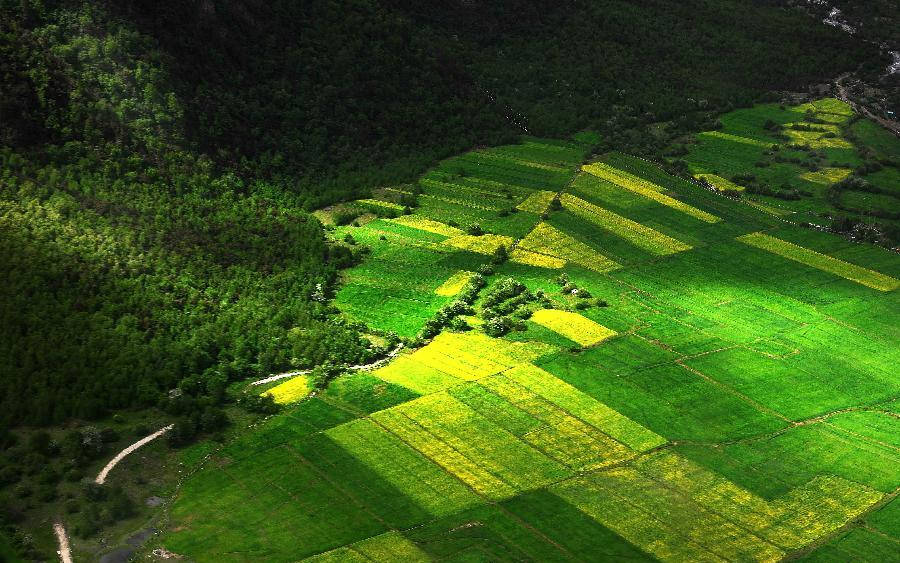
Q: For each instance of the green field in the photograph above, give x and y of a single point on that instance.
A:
(685, 377)
(789, 159)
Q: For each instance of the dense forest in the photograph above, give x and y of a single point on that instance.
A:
(158, 161)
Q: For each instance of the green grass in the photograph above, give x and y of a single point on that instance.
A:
(745, 408)
(743, 141)
(876, 138)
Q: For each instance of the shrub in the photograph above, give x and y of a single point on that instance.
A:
(500, 255)
(497, 326)
(458, 324)
(475, 230)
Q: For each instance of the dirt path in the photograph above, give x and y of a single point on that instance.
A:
(65, 554)
(101, 477)
(359, 367)
(892, 126)
(278, 376)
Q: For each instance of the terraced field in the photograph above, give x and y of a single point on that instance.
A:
(790, 159)
(649, 370)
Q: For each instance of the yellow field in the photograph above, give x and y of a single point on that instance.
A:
(860, 275)
(549, 241)
(791, 521)
(485, 244)
(408, 372)
(832, 106)
(538, 202)
(565, 438)
(399, 464)
(719, 182)
(642, 236)
(676, 510)
(645, 188)
(290, 391)
(391, 546)
(452, 358)
(827, 176)
(573, 326)
(585, 407)
(454, 283)
(535, 259)
(424, 224)
(734, 138)
(816, 140)
(486, 457)
(469, 472)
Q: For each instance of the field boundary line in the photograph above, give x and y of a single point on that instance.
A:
(758, 406)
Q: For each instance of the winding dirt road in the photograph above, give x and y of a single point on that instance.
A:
(65, 553)
(101, 477)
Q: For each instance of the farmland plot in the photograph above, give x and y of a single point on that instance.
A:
(732, 397)
(647, 189)
(640, 235)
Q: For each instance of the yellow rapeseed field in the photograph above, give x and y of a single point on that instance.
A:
(484, 244)
(573, 326)
(827, 176)
(425, 224)
(547, 240)
(645, 188)
(719, 182)
(454, 283)
(734, 138)
(290, 391)
(538, 202)
(522, 256)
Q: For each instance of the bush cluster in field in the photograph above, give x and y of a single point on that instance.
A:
(448, 315)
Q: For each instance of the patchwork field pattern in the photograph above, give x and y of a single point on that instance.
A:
(639, 235)
(549, 241)
(646, 189)
(852, 272)
(728, 392)
(789, 158)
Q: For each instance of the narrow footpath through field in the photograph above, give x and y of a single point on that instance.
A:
(101, 477)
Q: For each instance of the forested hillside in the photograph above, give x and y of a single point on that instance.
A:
(159, 159)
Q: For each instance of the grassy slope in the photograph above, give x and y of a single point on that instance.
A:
(740, 359)
(812, 170)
